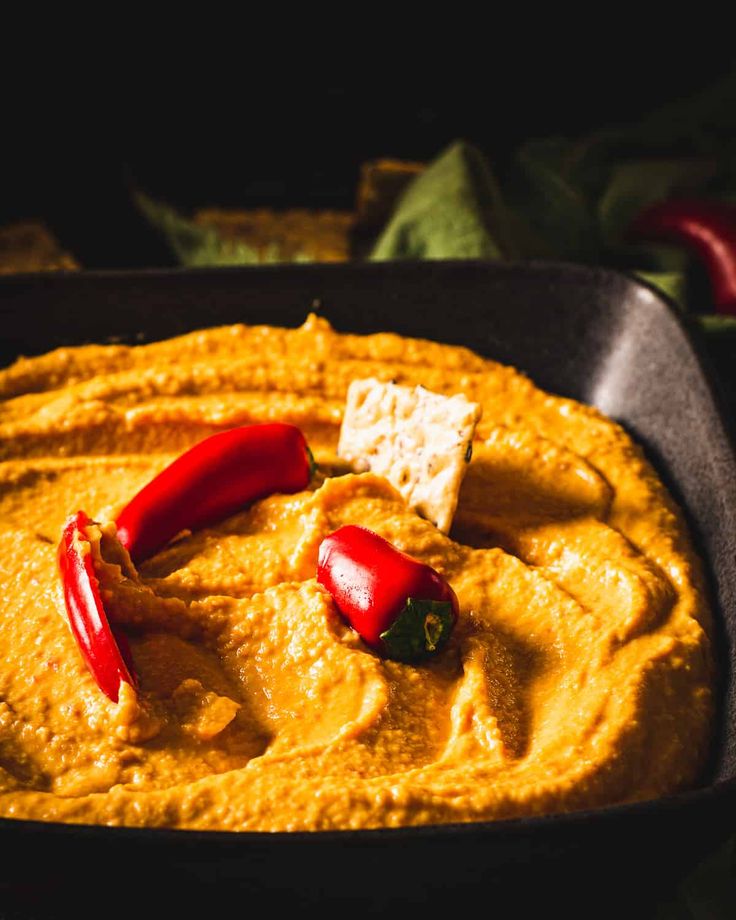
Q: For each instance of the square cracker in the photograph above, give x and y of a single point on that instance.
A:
(420, 441)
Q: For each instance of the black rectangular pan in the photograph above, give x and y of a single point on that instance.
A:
(594, 335)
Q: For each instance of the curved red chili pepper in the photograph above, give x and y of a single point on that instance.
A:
(212, 480)
(108, 659)
(707, 229)
(397, 604)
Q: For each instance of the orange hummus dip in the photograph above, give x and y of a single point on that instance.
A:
(579, 674)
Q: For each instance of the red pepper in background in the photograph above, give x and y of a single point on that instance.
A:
(108, 659)
(398, 605)
(705, 228)
(212, 480)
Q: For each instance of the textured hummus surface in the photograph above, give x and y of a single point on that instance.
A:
(579, 674)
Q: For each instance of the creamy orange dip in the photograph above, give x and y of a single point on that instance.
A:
(579, 674)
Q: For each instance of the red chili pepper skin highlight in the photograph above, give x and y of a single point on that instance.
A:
(103, 654)
(400, 606)
(212, 480)
(707, 229)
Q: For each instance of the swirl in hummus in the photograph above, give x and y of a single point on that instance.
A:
(579, 674)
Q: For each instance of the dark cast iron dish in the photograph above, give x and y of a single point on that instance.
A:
(594, 335)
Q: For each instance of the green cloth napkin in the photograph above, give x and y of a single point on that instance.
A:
(571, 201)
(557, 198)
(193, 246)
(453, 211)
(545, 208)
(456, 210)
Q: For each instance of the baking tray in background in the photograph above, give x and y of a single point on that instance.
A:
(594, 335)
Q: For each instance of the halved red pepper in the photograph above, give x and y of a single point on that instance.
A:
(400, 606)
(212, 480)
(107, 657)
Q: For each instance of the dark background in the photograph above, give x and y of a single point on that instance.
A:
(243, 138)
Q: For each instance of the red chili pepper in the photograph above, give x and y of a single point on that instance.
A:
(707, 229)
(398, 605)
(212, 480)
(108, 659)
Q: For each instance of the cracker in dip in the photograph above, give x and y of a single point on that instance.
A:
(420, 441)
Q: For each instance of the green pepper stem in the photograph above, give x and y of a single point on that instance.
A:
(419, 631)
(312, 462)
